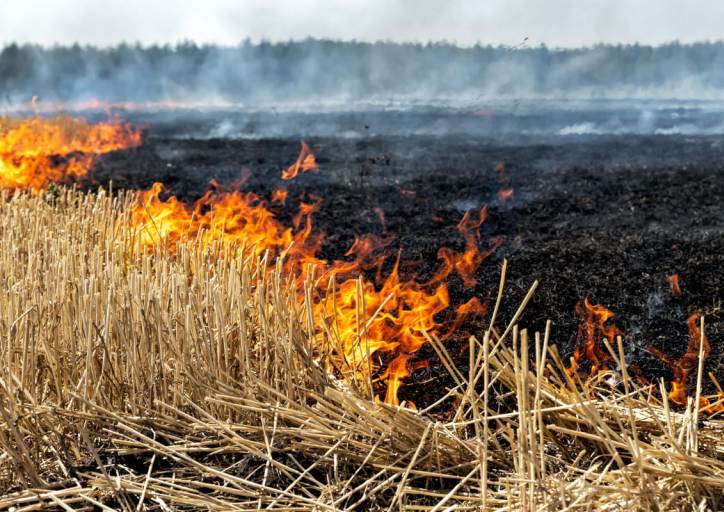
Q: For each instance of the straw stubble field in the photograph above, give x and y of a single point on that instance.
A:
(199, 378)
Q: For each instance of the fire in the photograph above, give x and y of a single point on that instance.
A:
(596, 325)
(592, 329)
(36, 152)
(465, 263)
(378, 322)
(279, 195)
(305, 162)
(223, 215)
(392, 316)
(470, 309)
(505, 194)
(687, 363)
(674, 283)
(389, 315)
(395, 373)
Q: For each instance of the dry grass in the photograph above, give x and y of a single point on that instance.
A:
(141, 381)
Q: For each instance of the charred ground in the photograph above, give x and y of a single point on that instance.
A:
(604, 217)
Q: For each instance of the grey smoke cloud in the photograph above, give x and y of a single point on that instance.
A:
(560, 23)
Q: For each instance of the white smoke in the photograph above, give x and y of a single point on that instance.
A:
(564, 23)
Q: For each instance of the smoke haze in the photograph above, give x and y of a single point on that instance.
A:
(486, 58)
(322, 71)
(557, 23)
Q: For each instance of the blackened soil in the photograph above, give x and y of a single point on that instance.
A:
(607, 218)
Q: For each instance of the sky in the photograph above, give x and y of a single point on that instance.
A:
(556, 23)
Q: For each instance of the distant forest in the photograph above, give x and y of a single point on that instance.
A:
(320, 70)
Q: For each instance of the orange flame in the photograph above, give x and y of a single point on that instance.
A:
(279, 195)
(396, 371)
(465, 263)
(592, 329)
(305, 162)
(674, 283)
(37, 152)
(228, 216)
(391, 315)
(687, 362)
(471, 308)
(505, 194)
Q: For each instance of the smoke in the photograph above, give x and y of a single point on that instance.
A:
(331, 72)
(355, 89)
(561, 23)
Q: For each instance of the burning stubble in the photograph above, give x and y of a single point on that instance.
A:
(378, 324)
(391, 315)
(186, 334)
(38, 152)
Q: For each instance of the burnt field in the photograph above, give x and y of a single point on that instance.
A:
(603, 217)
(324, 307)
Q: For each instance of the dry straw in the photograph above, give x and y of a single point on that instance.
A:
(143, 381)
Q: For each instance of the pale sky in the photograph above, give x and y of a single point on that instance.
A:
(565, 23)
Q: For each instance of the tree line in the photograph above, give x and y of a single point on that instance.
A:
(324, 69)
